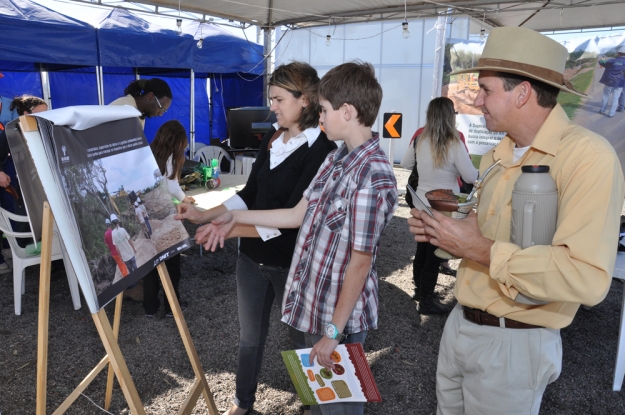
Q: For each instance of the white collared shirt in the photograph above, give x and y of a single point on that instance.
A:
(278, 153)
(281, 150)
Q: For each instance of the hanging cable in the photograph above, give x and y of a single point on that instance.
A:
(404, 26)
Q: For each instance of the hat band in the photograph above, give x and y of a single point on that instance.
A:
(543, 73)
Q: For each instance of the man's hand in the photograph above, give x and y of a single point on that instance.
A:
(5, 180)
(417, 226)
(460, 237)
(189, 212)
(215, 232)
(322, 350)
(188, 199)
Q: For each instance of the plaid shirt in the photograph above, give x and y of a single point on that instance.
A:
(350, 203)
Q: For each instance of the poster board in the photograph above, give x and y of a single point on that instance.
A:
(86, 171)
(589, 58)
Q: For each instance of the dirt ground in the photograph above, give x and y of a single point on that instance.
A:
(402, 352)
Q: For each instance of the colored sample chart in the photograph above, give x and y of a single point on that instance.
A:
(350, 380)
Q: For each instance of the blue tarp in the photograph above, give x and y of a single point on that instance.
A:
(129, 41)
(70, 49)
(222, 52)
(33, 33)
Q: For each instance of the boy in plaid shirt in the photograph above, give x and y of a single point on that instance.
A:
(332, 291)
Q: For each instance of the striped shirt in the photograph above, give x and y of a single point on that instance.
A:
(351, 200)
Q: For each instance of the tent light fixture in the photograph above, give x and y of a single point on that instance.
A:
(328, 37)
(179, 24)
(482, 34)
(405, 32)
(200, 43)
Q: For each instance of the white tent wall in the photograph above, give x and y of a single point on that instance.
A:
(405, 67)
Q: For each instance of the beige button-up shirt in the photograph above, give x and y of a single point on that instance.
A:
(577, 268)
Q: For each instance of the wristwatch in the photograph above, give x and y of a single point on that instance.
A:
(332, 332)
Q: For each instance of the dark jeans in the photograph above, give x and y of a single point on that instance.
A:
(424, 262)
(344, 408)
(147, 223)
(131, 264)
(257, 287)
(151, 286)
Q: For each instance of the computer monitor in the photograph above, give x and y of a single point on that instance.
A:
(248, 125)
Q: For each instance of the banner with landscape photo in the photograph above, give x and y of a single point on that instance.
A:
(583, 70)
(107, 170)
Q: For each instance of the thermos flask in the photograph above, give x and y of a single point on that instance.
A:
(534, 212)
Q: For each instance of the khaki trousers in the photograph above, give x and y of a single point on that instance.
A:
(485, 370)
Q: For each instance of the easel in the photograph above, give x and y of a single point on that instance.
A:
(108, 336)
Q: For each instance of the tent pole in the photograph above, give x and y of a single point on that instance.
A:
(267, 52)
(100, 81)
(45, 85)
(192, 118)
(439, 55)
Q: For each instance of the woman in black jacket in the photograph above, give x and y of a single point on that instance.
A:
(288, 159)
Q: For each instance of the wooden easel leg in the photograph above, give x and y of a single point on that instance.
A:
(81, 387)
(117, 361)
(189, 346)
(44, 309)
(111, 375)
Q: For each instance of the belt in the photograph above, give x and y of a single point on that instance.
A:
(485, 319)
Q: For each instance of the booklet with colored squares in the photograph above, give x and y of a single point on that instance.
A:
(350, 380)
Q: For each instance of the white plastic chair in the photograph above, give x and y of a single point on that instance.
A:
(619, 368)
(206, 153)
(21, 259)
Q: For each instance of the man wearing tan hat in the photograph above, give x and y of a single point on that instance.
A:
(498, 355)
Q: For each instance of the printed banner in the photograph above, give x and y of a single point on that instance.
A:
(594, 68)
(110, 170)
(350, 380)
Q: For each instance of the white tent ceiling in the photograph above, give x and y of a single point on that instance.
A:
(545, 15)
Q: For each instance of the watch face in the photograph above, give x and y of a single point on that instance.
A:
(331, 331)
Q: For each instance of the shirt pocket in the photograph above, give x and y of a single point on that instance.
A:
(337, 214)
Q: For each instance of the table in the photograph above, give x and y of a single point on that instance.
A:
(206, 199)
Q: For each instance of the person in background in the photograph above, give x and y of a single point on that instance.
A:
(124, 244)
(141, 218)
(408, 162)
(168, 148)
(11, 198)
(108, 240)
(441, 157)
(613, 80)
(289, 157)
(497, 355)
(146, 216)
(152, 97)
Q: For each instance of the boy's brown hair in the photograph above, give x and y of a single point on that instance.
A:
(353, 83)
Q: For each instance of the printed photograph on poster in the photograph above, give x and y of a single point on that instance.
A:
(350, 380)
(124, 212)
(596, 67)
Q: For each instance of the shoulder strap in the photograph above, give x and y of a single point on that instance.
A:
(274, 137)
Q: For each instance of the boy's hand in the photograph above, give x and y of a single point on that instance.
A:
(189, 212)
(322, 350)
(215, 232)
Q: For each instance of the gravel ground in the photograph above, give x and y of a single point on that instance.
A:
(402, 353)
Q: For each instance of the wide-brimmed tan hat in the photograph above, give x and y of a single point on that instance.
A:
(524, 52)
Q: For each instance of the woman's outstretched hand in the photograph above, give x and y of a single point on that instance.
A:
(215, 232)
